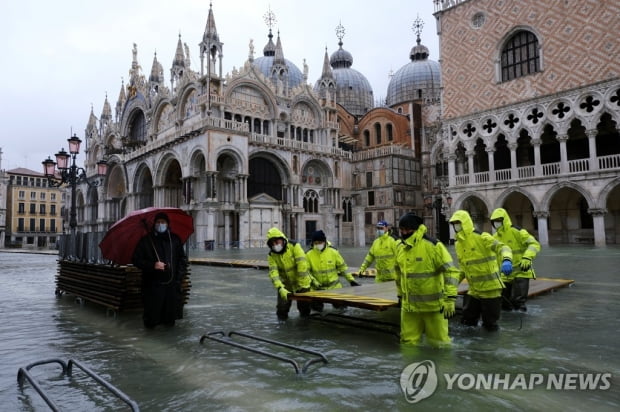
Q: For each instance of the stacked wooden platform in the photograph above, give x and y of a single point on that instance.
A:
(115, 287)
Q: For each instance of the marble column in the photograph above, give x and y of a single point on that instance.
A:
(598, 219)
(543, 228)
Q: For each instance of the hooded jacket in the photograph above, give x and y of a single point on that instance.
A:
(325, 266)
(426, 273)
(383, 250)
(478, 254)
(522, 244)
(288, 269)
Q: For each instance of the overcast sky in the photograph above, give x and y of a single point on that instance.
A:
(61, 57)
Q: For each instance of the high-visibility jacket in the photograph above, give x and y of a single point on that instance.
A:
(522, 243)
(288, 269)
(478, 254)
(426, 273)
(325, 266)
(383, 251)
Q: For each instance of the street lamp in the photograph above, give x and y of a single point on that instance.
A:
(60, 172)
(441, 202)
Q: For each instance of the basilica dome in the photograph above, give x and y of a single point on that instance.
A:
(353, 91)
(420, 79)
(273, 53)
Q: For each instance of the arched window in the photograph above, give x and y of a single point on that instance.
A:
(366, 138)
(520, 56)
(137, 129)
(311, 202)
(378, 132)
(390, 133)
(348, 210)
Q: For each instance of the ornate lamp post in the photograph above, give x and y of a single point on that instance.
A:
(441, 202)
(60, 173)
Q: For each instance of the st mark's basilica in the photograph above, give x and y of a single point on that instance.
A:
(522, 113)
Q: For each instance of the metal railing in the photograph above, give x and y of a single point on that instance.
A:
(24, 373)
(220, 336)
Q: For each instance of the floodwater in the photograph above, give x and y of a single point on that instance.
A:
(570, 335)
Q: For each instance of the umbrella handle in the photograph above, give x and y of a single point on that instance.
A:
(151, 239)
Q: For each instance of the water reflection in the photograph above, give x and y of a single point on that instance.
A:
(572, 330)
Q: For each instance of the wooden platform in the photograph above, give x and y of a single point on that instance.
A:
(118, 288)
(241, 263)
(381, 296)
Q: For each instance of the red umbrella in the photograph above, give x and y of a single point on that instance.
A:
(121, 240)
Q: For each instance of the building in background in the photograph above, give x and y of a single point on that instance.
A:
(522, 112)
(34, 210)
(4, 182)
(530, 114)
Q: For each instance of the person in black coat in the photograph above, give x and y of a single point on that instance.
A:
(162, 259)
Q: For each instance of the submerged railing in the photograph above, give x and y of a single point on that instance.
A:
(24, 373)
(220, 336)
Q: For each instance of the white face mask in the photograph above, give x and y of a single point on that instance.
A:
(457, 227)
(380, 232)
(161, 227)
(277, 248)
(319, 246)
(497, 224)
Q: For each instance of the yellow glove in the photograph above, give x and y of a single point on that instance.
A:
(448, 307)
(283, 292)
(315, 283)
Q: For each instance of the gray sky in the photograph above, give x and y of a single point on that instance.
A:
(61, 57)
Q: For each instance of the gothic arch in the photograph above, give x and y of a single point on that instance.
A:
(164, 111)
(501, 199)
(233, 152)
(601, 200)
(266, 93)
(549, 194)
(314, 169)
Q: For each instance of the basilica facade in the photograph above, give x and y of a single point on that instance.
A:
(265, 146)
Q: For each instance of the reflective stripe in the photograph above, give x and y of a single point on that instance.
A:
(328, 271)
(425, 298)
(451, 281)
(420, 275)
(481, 260)
(483, 278)
(532, 248)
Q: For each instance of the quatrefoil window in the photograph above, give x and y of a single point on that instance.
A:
(489, 125)
(535, 116)
(561, 110)
(469, 130)
(511, 121)
(589, 104)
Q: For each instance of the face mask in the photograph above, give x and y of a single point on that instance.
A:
(161, 227)
(277, 248)
(405, 236)
(380, 232)
(497, 224)
(319, 246)
(457, 227)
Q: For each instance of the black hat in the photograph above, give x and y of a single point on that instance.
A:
(161, 215)
(410, 221)
(318, 236)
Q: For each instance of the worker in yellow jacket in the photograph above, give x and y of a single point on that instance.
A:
(383, 251)
(478, 254)
(524, 247)
(427, 285)
(326, 264)
(288, 271)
